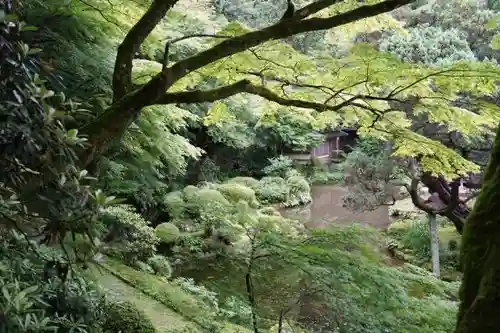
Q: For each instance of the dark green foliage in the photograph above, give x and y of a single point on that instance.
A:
(34, 299)
(36, 148)
(125, 317)
(45, 199)
(494, 5)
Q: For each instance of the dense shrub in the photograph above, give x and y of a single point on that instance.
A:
(418, 238)
(167, 232)
(279, 166)
(32, 298)
(269, 211)
(299, 191)
(129, 235)
(429, 45)
(44, 196)
(236, 192)
(160, 265)
(272, 190)
(469, 17)
(245, 181)
(174, 203)
(125, 317)
(189, 192)
(207, 205)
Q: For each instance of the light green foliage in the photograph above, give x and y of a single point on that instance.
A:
(245, 181)
(272, 190)
(132, 238)
(189, 192)
(345, 275)
(292, 129)
(231, 122)
(289, 192)
(418, 238)
(152, 153)
(201, 293)
(125, 317)
(269, 211)
(174, 203)
(429, 45)
(341, 269)
(167, 232)
(160, 265)
(235, 192)
(237, 311)
(210, 205)
(287, 327)
(299, 191)
(88, 33)
(433, 85)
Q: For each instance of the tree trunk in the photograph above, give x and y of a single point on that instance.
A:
(480, 256)
(436, 270)
(458, 212)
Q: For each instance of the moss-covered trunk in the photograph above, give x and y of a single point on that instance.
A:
(480, 291)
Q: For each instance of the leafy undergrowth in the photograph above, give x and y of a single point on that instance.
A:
(411, 239)
(183, 312)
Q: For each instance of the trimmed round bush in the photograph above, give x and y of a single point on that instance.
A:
(245, 181)
(236, 192)
(175, 205)
(125, 317)
(298, 184)
(209, 206)
(189, 192)
(167, 232)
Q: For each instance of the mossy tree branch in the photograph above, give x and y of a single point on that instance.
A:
(480, 255)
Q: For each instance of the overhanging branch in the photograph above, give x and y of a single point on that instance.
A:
(245, 86)
(122, 75)
(313, 8)
(278, 31)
